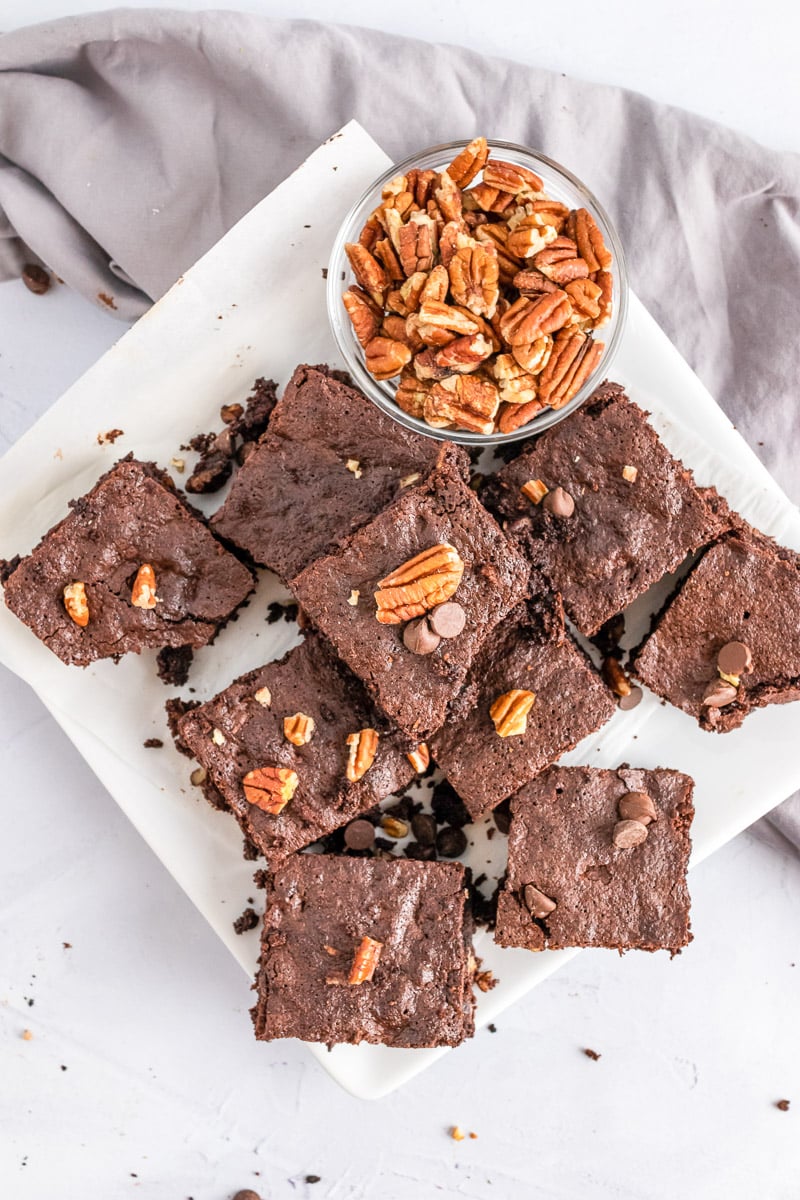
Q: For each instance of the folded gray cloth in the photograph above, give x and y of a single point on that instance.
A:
(131, 141)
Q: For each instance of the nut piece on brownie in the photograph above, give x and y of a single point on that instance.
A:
(589, 865)
(131, 567)
(600, 504)
(342, 962)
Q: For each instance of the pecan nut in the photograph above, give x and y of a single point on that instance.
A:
(447, 195)
(509, 177)
(465, 401)
(528, 319)
(469, 162)
(364, 314)
(420, 758)
(363, 746)
(605, 281)
(365, 961)
(143, 592)
(299, 729)
(433, 314)
(270, 788)
(589, 239)
(489, 199)
(530, 237)
(585, 296)
(560, 261)
(510, 711)
(417, 243)
(386, 358)
(572, 361)
(474, 279)
(427, 579)
(369, 273)
(531, 282)
(464, 354)
(514, 416)
(534, 356)
(76, 603)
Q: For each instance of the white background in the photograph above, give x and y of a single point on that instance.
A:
(165, 1094)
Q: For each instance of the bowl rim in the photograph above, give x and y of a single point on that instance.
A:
(383, 399)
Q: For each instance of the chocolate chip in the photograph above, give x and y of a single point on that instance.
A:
(718, 694)
(628, 834)
(592, 1054)
(637, 806)
(313, 1178)
(559, 503)
(423, 826)
(537, 904)
(419, 638)
(359, 835)
(783, 1105)
(153, 744)
(422, 853)
(247, 1194)
(448, 620)
(502, 816)
(632, 700)
(451, 841)
(735, 658)
(448, 807)
(36, 279)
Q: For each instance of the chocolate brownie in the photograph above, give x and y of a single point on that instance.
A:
(532, 653)
(438, 517)
(630, 515)
(364, 950)
(736, 612)
(329, 462)
(242, 729)
(136, 567)
(598, 858)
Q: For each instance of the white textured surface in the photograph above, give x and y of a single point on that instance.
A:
(147, 1011)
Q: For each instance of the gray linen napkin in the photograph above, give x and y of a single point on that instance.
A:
(131, 141)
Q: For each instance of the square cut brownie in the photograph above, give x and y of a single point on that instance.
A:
(329, 462)
(728, 641)
(364, 950)
(548, 698)
(133, 566)
(435, 543)
(598, 858)
(295, 716)
(617, 511)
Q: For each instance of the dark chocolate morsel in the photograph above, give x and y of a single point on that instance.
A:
(423, 826)
(633, 698)
(359, 835)
(451, 841)
(559, 503)
(537, 904)
(447, 620)
(36, 279)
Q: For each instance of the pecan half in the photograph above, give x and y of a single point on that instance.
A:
(469, 162)
(385, 253)
(298, 729)
(385, 358)
(435, 286)
(416, 243)
(509, 177)
(361, 755)
(466, 401)
(365, 961)
(560, 262)
(411, 292)
(589, 239)
(270, 788)
(411, 393)
(364, 314)
(585, 296)
(448, 197)
(534, 356)
(369, 273)
(520, 389)
(436, 315)
(452, 238)
(426, 368)
(513, 416)
(370, 233)
(605, 282)
(530, 237)
(464, 354)
(395, 328)
(427, 579)
(489, 199)
(76, 603)
(510, 712)
(526, 320)
(474, 279)
(420, 184)
(531, 282)
(572, 361)
(143, 592)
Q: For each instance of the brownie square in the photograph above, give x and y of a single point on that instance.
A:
(133, 517)
(744, 590)
(338, 594)
(250, 734)
(561, 851)
(319, 910)
(329, 462)
(624, 534)
(532, 652)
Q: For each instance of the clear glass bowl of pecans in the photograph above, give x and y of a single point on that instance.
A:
(477, 292)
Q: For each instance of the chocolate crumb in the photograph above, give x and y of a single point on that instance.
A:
(313, 1178)
(502, 816)
(448, 807)
(248, 920)
(173, 664)
(153, 744)
(783, 1105)
(36, 279)
(281, 610)
(451, 842)
(109, 301)
(592, 1054)
(8, 566)
(176, 708)
(67, 945)
(492, 1027)
(247, 1194)
(324, 272)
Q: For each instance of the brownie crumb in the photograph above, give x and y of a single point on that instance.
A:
(484, 909)
(502, 816)
(281, 610)
(250, 850)
(592, 1054)
(485, 981)
(175, 709)
(261, 878)
(8, 566)
(152, 744)
(104, 298)
(324, 272)
(313, 1178)
(248, 920)
(492, 1027)
(173, 664)
(448, 807)
(36, 279)
(109, 437)
(67, 945)
(243, 426)
(783, 1105)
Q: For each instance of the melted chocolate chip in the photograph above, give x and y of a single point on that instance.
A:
(559, 503)
(419, 638)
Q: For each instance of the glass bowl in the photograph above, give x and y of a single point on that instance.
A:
(559, 184)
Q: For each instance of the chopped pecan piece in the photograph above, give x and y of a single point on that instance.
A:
(469, 162)
(270, 788)
(361, 755)
(448, 197)
(76, 603)
(535, 490)
(530, 237)
(510, 712)
(143, 592)
(490, 199)
(420, 758)
(385, 358)
(298, 729)
(474, 276)
(427, 579)
(465, 401)
(365, 961)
